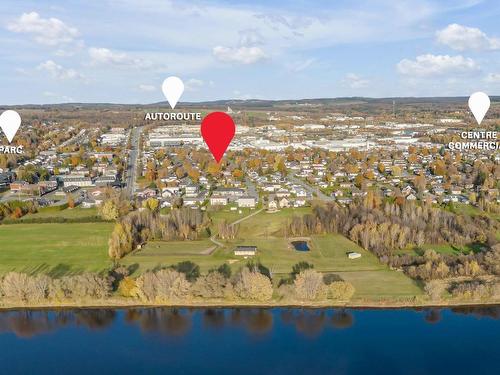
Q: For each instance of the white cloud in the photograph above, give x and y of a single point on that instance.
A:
(194, 84)
(57, 71)
(463, 38)
(493, 78)
(104, 56)
(354, 81)
(437, 65)
(240, 55)
(298, 66)
(147, 88)
(250, 37)
(47, 31)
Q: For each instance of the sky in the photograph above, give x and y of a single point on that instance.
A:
(120, 51)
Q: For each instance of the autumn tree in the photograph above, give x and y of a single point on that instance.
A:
(309, 285)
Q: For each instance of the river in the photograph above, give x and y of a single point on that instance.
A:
(251, 341)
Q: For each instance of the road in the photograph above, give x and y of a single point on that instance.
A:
(251, 189)
(310, 189)
(133, 156)
(76, 139)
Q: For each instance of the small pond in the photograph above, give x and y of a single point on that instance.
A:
(300, 245)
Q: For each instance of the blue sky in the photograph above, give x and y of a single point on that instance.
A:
(120, 51)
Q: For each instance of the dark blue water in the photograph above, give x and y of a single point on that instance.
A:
(300, 245)
(251, 341)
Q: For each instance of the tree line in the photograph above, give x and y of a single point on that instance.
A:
(138, 227)
(385, 228)
(179, 283)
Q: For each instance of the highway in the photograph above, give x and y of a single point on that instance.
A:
(131, 173)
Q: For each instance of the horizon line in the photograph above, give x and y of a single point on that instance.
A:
(190, 103)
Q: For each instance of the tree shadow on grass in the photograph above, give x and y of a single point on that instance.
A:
(35, 269)
(62, 269)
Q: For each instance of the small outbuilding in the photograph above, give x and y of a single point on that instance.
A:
(353, 255)
(245, 250)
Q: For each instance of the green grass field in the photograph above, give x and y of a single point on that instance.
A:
(68, 213)
(60, 249)
(328, 253)
(55, 249)
(467, 209)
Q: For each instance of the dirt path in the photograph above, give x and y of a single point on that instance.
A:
(208, 251)
(220, 244)
(247, 217)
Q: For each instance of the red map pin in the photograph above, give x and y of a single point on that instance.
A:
(217, 129)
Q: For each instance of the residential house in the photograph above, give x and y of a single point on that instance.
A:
(217, 200)
(284, 202)
(249, 202)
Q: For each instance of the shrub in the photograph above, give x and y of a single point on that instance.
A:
(109, 210)
(299, 267)
(224, 270)
(212, 285)
(22, 287)
(435, 289)
(286, 292)
(330, 278)
(309, 285)
(14, 286)
(189, 269)
(471, 290)
(253, 286)
(117, 274)
(163, 285)
(341, 290)
(86, 285)
(127, 287)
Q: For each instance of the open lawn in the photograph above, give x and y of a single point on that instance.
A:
(267, 224)
(60, 249)
(467, 209)
(328, 253)
(68, 213)
(54, 249)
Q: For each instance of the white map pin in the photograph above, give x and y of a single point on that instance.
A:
(10, 121)
(172, 88)
(479, 103)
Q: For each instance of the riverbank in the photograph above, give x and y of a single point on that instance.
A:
(123, 303)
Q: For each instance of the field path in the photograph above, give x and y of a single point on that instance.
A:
(247, 217)
(220, 244)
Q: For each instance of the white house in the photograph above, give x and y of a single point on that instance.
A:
(246, 202)
(218, 201)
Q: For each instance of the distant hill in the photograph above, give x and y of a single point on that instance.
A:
(257, 103)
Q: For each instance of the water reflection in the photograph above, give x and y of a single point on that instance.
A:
(433, 316)
(479, 311)
(171, 322)
(95, 319)
(342, 319)
(308, 323)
